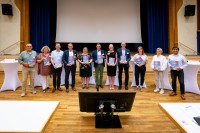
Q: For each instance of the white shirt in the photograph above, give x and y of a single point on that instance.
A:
(71, 53)
(179, 58)
(123, 52)
(99, 52)
(57, 55)
(144, 58)
(161, 59)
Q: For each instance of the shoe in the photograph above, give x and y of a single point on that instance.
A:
(48, 88)
(87, 86)
(126, 88)
(183, 97)
(137, 88)
(141, 88)
(97, 87)
(172, 94)
(156, 90)
(74, 89)
(120, 87)
(54, 89)
(67, 90)
(23, 94)
(83, 86)
(33, 91)
(101, 86)
(59, 89)
(162, 91)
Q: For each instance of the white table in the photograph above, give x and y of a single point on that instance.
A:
(37, 79)
(133, 76)
(35, 116)
(190, 77)
(11, 80)
(166, 80)
(182, 115)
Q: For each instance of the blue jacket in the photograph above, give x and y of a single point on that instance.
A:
(127, 53)
(94, 57)
(66, 55)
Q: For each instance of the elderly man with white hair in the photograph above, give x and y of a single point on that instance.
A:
(159, 64)
(28, 59)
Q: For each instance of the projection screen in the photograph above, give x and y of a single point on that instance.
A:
(103, 21)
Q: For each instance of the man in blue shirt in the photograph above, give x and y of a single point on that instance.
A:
(123, 63)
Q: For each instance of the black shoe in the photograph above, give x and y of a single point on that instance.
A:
(120, 87)
(67, 90)
(97, 87)
(59, 89)
(126, 88)
(101, 86)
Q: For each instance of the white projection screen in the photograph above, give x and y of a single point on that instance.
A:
(103, 21)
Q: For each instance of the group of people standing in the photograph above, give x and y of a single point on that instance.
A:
(52, 63)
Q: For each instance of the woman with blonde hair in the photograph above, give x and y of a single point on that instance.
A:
(111, 61)
(85, 61)
(44, 67)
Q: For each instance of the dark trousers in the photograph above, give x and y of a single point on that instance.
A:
(140, 72)
(126, 69)
(56, 77)
(180, 75)
(69, 69)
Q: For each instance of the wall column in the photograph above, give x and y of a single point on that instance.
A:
(23, 6)
(174, 6)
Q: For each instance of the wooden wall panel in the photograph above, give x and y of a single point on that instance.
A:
(198, 15)
(174, 6)
(23, 6)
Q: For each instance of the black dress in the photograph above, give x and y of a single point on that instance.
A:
(111, 70)
(85, 69)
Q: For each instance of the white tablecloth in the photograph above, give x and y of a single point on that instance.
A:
(166, 80)
(190, 77)
(11, 80)
(182, 115)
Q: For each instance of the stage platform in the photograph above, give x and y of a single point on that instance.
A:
(150, 56)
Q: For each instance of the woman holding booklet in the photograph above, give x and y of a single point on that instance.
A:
(85, 61)
(159, 64)
(111, 61)
(140, 61)
(44, 67)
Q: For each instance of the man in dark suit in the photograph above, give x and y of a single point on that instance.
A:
(98, 58)
(69, 60)
(123, 63)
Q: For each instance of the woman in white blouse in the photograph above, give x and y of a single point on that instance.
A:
(140, 61)
(159, 64)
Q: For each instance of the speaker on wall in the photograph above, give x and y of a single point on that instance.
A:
(7, 9)
(190, 10)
